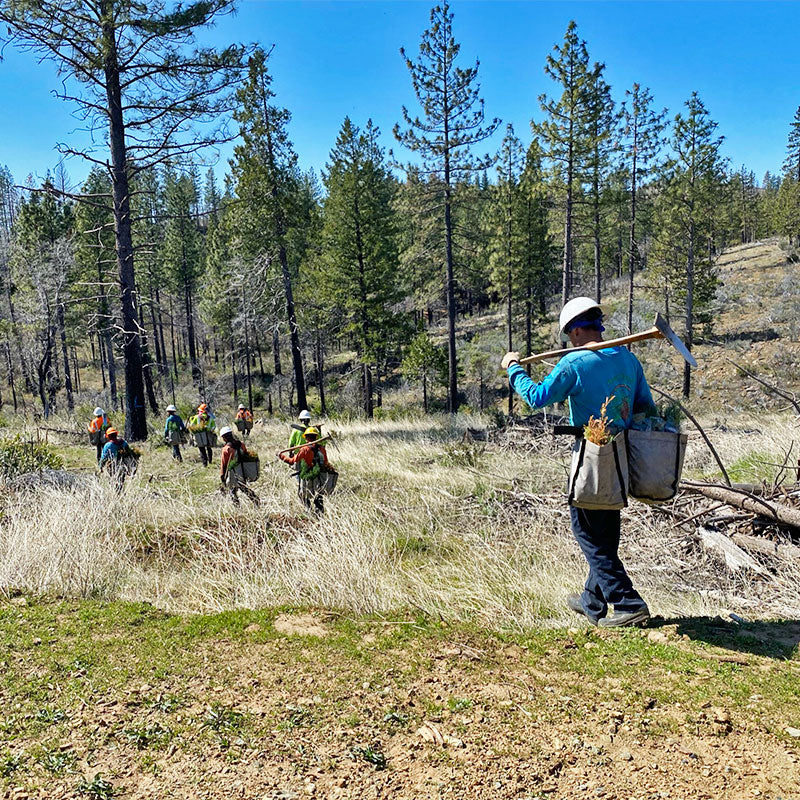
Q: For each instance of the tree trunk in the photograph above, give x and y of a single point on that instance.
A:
(160, 333)
(233, 369)
(452, 363)
(276, 350)
(62, 331)
(566, 260)
(687, 370)
(135, 420)
(528, 323)
(172, 338)
(247, 359)
(632, 249)
(321, 374)
(190, 334)
(10, 368)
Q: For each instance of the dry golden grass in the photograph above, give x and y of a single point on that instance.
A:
(419, 521)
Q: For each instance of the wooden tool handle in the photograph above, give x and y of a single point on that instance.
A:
(651, 333)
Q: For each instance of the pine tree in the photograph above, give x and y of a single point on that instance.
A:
(265, 175)
(602, 119)
(181, 252)
(538, 264)
(792, 164)
(506, 250)
(453, 122)
(359, 243)
(427, 363)
(643, 139)
(565, 133)
(692, 182)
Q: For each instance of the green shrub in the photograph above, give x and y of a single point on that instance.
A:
(18, 457)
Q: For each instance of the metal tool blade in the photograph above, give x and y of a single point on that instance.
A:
(670, 335)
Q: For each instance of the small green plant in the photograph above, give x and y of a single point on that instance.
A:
(9, 725)
(167, 703)
(456, 704)
(50, 716)
(81, 666)
(221, 719)
(297, 716)
(395, 718)
(144, 736)
(9, 764)
(18, 457)
(370, 754)
(97, 789)
(57, 761)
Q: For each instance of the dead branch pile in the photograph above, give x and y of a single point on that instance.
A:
(529, 433)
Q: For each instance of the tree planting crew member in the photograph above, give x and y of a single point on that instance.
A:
(203, 422)
(299, 429)
(312, 461)
(174, 428)
(114, 453)
(231, 453)
(587, 378)
(244, 420)
(98, 428)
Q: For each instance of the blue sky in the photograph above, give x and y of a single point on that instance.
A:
(333, 59)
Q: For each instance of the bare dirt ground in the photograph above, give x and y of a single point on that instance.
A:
(313, 705)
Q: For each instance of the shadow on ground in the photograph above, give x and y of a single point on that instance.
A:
(777, 639)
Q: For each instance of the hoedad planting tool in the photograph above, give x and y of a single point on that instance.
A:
(327, 438)
(660, 330)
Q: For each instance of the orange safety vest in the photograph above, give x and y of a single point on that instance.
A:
(99, 425)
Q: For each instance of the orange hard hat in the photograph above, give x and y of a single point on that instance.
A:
(202, 407)
(112, 432)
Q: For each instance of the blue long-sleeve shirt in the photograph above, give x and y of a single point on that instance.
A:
(113, 451)
(586, 378)
(174, 423)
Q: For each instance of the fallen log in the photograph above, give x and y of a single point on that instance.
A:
(777, 512)
(735, 557)
(765, 547)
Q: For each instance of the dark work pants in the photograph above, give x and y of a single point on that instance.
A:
(176, 452)
(99, 451)
(597, 533)
(205, 455)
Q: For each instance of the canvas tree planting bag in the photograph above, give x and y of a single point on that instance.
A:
(598, 477)
(655, 462)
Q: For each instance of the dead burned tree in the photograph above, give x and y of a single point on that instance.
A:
(132, 69)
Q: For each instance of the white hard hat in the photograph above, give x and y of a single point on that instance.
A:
(304, 414)
(225, 431)
(171, 407)
(575, 308)
(241, 406)
(98, 412)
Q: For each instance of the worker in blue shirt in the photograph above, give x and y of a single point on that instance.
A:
(586, 379)
(174, 431)
(116, 454)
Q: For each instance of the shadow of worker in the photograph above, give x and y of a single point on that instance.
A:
(778, 639)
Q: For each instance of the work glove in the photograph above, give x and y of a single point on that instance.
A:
(512, 357)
